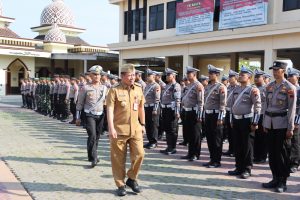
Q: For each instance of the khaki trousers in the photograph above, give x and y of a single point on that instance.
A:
(118, 157)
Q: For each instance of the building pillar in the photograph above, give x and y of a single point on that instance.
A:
(122, 61)
(270, 57)
(66, 66)
(187, 61)
(84, 66)
(52, 67)
(234, 61)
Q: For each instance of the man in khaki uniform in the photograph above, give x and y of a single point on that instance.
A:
(126, 122)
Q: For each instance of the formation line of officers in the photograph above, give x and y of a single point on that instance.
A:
(259, 120)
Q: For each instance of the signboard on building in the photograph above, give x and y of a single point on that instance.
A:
(194, 16)
(242, 13)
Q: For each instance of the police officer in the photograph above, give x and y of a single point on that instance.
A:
(139, 78)
(81, 85)
(55, 95)
(152, 94)
(104, 79)
(91, 99)
(260, 141)
(233, 83)
(225, 79)
(192, 107)
(66, 98)
(204, 80)
(215, 102)
(22, 90)
(183, 85)
(267, 78)
(114, 79)
(293, 77)
(162, 86)
(245, 113)
(73, 99)
(279, 121)
(126, 122)
(170, 104)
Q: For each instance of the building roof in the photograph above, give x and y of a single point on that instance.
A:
(57, 12)
(70, 40)
(55, 35)
(6, 32)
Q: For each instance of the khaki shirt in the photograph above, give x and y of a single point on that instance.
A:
(125, 101)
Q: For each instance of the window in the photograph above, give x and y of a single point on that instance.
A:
(217, 11)
(156, 17)
(291, 5)
(134, 23)
(142, 19)
(126, 23)
(171, 14)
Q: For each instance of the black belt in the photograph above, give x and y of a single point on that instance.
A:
(270, 114)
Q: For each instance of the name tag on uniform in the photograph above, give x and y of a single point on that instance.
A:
(135, 106)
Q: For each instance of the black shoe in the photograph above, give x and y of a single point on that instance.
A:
(168, 151)
(207, 164)
(187, 157)
(245, 175)
(121, 191)
(152, 146)
(183, 143)
(272, 184)
(133, 185)
(281, 187)
(214, 165)
(94, 163)
(235, 172)
(193, 158)
(228, 153)
(90, 160)
(259, 161)
(294, 169)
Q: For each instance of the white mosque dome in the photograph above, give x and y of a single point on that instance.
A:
(55, 35)
(57, 12)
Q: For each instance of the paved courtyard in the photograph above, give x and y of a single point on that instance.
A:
(49, 159)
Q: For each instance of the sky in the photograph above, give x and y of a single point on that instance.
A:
(98, 17)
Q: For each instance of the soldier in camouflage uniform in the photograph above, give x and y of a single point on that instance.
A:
(293, 77)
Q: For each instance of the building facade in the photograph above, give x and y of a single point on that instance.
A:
(148, 29)
(57, 48)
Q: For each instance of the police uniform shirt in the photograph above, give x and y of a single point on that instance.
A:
(262, 91)
(23, 88)
(152, 94)
(217, 98)
(91, 99)
(230, 90)
(124, 101)
(280, 98)
(247, 102)
(74, 92)
(142, 83)
(107, 84)
(171, 95)
(56, 87)
(193, 97)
